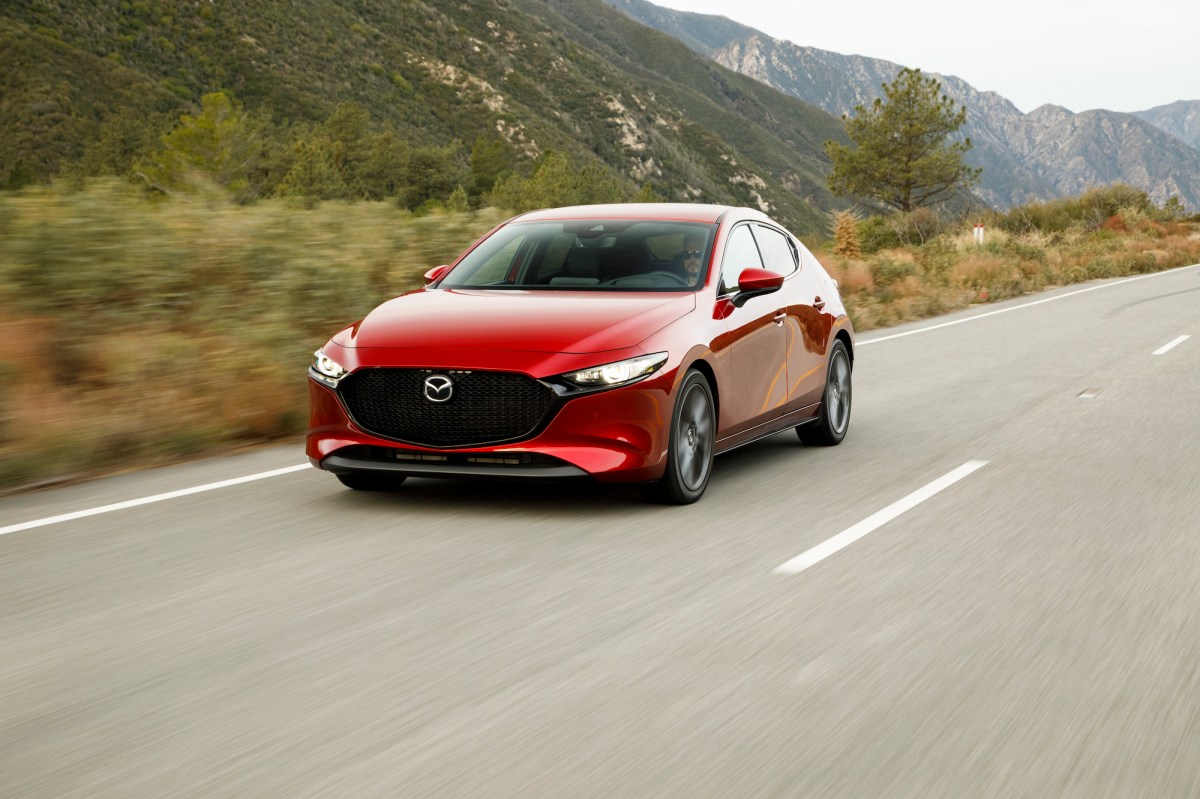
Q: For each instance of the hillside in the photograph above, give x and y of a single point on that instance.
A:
(574, 76)
(1180, 119)
(1025, 157)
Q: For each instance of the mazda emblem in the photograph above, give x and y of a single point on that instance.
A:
(438, 388)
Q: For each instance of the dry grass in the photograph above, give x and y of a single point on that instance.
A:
(952, 272)
(138, 333)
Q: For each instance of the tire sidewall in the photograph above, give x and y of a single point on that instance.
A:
(835, 436)
(676, 489)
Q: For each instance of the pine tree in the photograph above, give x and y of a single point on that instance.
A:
(902, 159)
(314, 175)
(491, 159)
(220, 146)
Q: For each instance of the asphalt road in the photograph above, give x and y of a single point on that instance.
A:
(1032, 629)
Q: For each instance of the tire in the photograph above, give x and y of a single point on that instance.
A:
(691, 445)
(371, 481)
(834, 419)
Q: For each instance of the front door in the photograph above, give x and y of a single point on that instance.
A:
(754, 345)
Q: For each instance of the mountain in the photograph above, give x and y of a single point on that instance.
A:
(1100, 147)
(1046, 154)
(1181, 119)
(569, 75)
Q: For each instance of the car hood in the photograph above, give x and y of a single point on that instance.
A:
(531, 321)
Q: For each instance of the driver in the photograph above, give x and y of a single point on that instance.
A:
(689, 258)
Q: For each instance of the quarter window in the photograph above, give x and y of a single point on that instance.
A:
(778, 251)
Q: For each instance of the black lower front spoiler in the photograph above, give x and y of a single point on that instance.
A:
(457, 465)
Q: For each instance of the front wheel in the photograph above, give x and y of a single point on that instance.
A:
(691, 445)
(834, 420)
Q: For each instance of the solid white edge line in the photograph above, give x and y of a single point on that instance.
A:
(1023, 305)
(133, 503)
(876, 520)
(1170, 345)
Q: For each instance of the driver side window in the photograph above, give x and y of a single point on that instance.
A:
(740, 253)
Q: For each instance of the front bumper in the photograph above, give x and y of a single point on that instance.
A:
(447, 464)
(619, 435)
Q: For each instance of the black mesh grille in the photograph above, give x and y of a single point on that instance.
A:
(485, 407)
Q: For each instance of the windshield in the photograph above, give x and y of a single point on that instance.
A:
(589, 255)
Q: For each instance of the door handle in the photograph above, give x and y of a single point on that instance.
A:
(780, 317)
(818, 303)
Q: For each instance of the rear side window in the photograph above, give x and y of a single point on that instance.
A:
(779, 254)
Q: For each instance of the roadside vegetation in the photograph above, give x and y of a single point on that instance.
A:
(913, 265)
(139, 330)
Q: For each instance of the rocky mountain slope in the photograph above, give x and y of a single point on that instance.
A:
(1181, 119)
(1042, 155)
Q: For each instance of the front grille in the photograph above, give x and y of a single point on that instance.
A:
(485, 407)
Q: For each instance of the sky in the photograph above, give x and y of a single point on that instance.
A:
(1130, 56)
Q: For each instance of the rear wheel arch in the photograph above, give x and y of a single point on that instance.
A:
(833, 418)
(844, 337)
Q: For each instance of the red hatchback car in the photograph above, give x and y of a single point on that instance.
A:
(628, 343)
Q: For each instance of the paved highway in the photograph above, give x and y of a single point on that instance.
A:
(992, 588)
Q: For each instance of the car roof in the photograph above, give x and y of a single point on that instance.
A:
(673, 212)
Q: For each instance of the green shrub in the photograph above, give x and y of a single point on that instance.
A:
(875, 234)
(912, 229)
(1089, 211)
(889, 269)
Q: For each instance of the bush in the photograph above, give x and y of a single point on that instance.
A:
(1090, 211)
(875, 234)
(911, 229)
(892, 267)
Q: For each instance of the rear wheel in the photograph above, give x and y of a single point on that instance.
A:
(690, 449)
(834, 420)
(371, 481)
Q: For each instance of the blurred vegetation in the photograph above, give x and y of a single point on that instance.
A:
(141, 329)
(138, 331)
(404, 101)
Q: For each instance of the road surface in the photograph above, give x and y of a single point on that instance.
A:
(992, 588)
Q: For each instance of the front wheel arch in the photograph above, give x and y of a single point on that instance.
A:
(705, 368)
(691, 443)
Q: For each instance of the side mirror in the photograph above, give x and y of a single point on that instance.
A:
(755, 283)
(436, 274)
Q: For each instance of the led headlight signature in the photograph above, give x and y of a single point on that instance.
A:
(619, 373)
(326, 369)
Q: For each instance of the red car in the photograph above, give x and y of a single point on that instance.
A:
(626, 343)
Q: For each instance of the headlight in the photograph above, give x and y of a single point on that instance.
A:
(615, 374)
(326, 369)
